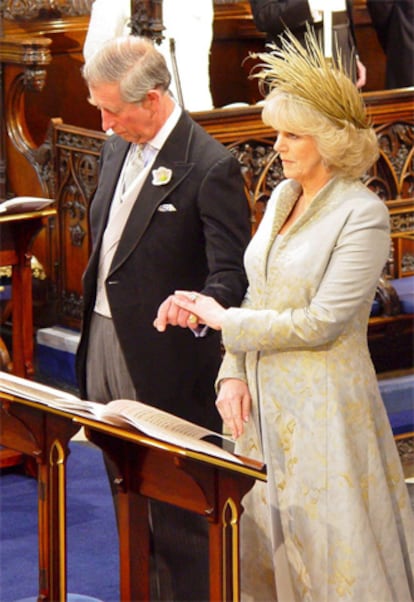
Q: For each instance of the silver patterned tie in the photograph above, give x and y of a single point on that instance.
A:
(135, 163)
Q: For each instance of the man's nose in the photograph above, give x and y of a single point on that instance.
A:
(107, 120)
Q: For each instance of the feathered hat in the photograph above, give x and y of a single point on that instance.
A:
(306, 73)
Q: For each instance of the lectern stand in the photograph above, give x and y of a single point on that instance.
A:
(44, 435)
(148, 468)
(17, 231)
(208, 486)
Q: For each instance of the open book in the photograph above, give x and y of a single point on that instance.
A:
(24, 204)
(122, 412)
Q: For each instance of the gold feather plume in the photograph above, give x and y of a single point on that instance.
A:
(305, 72)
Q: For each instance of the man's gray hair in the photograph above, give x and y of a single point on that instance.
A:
(131, 61)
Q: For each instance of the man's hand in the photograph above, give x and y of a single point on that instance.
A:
(361, 74)
(169, 313)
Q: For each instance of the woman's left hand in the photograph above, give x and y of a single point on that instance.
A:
(234, 404)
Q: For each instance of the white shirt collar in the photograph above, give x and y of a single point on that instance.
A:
(161, 136)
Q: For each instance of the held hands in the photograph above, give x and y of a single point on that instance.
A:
(169, 313)
(186, 308)
(189, 309)
(234, 403)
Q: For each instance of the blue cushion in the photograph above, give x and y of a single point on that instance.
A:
(375, 308)
(398, 396)
(5, 292)
(405, 291)
(402, 422)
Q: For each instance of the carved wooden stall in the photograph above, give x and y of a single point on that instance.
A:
(58, 158)
(60, 29)
(75, 153)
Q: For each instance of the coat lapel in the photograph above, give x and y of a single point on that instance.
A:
(174, 156)
(108, 178)
(285, 201)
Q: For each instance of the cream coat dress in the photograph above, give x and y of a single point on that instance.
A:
(333, 522)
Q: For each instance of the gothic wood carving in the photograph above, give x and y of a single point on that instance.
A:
(76, 157)
(146, 19)
(32, 55)
(75, 165)
(26, 10)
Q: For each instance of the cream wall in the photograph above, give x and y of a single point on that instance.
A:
(188, 22)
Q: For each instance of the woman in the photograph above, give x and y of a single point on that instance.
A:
(297, 386)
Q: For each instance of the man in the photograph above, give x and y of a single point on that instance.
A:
(182, 221)
(393, 21)
(274, 16)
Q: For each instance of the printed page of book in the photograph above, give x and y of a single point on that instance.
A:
(164, 426)
(146, 419)
(35, 391)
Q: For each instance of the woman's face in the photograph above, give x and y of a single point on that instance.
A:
(300, 158)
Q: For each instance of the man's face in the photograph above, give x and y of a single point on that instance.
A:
(135, 122)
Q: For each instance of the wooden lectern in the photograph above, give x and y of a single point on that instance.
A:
(148, 468)
(17, 231)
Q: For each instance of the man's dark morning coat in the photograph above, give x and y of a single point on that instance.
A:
(194, 242)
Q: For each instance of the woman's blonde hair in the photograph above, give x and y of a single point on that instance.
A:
(311, 95)
(346, 149)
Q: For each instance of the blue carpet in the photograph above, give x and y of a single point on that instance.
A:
(92, 540)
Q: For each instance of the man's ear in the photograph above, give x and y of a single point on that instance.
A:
(151, 100)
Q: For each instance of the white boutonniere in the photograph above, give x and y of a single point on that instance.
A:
(161, 176)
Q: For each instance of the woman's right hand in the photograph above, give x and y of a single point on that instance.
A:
(234, 403)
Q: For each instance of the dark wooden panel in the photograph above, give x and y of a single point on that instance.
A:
(370, 51)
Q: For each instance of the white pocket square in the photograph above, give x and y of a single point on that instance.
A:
(166, 208)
